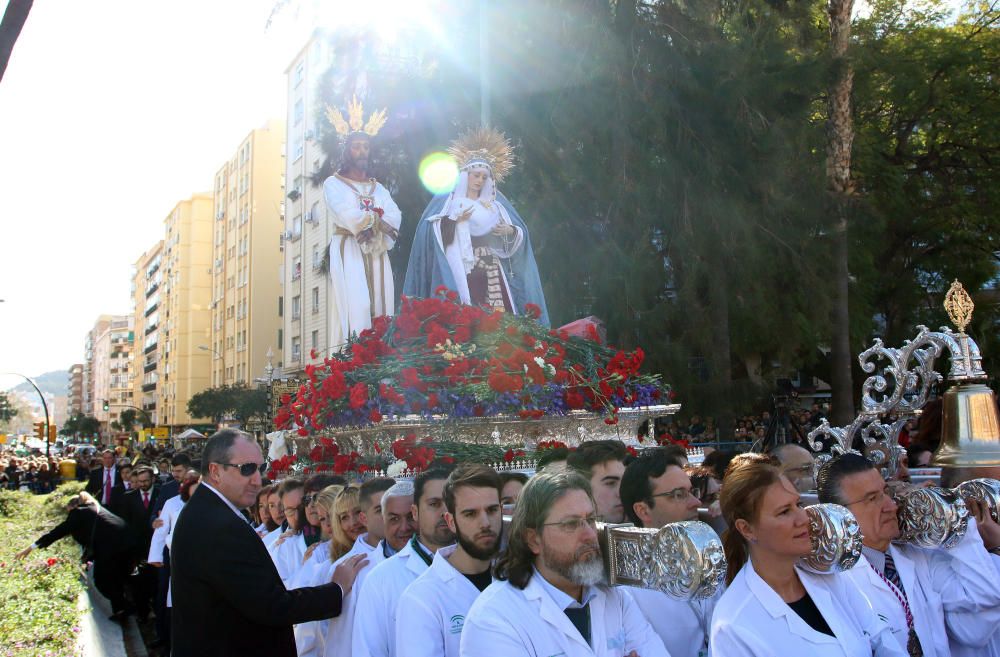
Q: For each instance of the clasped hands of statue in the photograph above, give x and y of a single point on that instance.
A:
(500, 230)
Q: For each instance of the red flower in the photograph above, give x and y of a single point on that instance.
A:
(611, 420)
(508, 456)
(51, 561)
(375, 416)
(359, 395)
(303, 432)
(312, 354)
(532, 311)
(631, 450)
(440, 290)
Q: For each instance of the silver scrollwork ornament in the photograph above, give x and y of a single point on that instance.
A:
(985, 491)
(836, 539)
(932, 517)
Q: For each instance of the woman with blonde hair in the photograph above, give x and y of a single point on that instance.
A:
(772, 607)
(345, 521)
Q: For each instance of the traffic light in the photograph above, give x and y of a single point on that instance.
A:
(40, 430)
(106, 406)
(52, 433)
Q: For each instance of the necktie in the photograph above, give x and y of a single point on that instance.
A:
(107, 486)
(580, 617)
(145, 500)
(891, 573)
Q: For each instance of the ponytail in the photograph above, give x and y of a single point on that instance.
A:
(735, 549)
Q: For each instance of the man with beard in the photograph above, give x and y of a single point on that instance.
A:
(602, 462)
(377, 607)
(928, 596)
(550, 600)
(366, 224)
(433, 608)
(656, 491)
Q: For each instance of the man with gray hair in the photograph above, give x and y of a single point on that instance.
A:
(550, 599)
(225, 587)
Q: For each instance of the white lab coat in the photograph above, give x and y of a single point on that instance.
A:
(938, 583)
(287, 557)
(314, 572)
(506, 621)
(375, 616)
(435, 605)
(338, 632)
(271, 537)
(751, 620)
(163, 534)
(682, 625)
(972, 644)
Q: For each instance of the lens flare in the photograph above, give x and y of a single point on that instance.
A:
(438, 172)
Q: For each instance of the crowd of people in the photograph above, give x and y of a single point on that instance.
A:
(34, 473)
(319, 566)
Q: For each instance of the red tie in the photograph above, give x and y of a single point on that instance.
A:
(107, 486)
(145, 500)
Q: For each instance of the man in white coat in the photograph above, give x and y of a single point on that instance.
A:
(376, 611)
(288, 550)
(437, 602)
(365, 227)
(656, 491)
(549, 600)
(916, 590)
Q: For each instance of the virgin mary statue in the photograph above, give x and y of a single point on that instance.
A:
(472, 240)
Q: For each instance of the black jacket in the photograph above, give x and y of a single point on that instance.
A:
(228, 599)
(95, 486)
(101, 533)
(138, 518)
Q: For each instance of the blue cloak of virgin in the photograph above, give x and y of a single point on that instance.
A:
(428, 269)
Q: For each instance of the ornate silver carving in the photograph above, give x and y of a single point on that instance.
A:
(898, 391)
(836, 539)
(986, 491)
(932, 517)
(685, 560)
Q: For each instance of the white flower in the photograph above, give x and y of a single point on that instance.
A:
(395, 469)
(540, 361)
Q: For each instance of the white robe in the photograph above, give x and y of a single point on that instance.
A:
(287, 557)
(436, 605)
(352, 303)
(375, 617)
(338, 631)
(683, 626)
(313, 572)
(506, 621)
(938, 583)
(972, 644)
(751, 620)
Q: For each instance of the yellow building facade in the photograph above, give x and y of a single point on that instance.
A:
(147, 279)
(247, 258)
(184, 315)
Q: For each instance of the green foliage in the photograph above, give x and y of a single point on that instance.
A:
(38, 613)
(127, 419)
(81, 425)
(237, 401)
(7, 410)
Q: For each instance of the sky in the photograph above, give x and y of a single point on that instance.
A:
(110, 113)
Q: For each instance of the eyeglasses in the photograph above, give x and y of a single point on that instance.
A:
(876, 498)
(573, 525)
(676, 495)
(291, 509)
(308, 499)
(247, 469)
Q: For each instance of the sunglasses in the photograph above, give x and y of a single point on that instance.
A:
(247, 469)
(308, 499)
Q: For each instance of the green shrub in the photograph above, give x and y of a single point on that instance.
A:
(38, 595)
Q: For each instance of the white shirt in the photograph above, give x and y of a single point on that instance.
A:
(435, 605)
(751, 620)
(682, 625)
(375, 618)
(938, 583)
(287, 557)
(506, 621)
(309, 636)
(163, 535)
(271, 537)
(338, 631)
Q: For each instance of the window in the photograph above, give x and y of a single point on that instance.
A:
(281, 338)
(281, 309)
(297, 112)
(296, 230)
(315, 300)
(296, 307)
(300, 72)
(296, 268)
(296, 349)
(317, 257)
(315, 340)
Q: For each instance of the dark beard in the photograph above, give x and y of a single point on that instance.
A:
(476, 552)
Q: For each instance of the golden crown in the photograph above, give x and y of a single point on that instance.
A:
(356, 119)
(488, 146)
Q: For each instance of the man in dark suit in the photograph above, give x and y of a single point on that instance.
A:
(179, 466)
(136, 509)
(105, 482)
(226, 590)
(105, 539)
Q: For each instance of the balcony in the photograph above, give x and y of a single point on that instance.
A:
(150, 349)
(148, 387)
(149, 407)
(149, 367)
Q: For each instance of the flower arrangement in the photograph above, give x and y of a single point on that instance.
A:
(442, 360)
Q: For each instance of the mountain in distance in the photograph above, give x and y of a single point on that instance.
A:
(55, 383)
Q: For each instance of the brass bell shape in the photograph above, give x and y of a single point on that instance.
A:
(970, 428)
